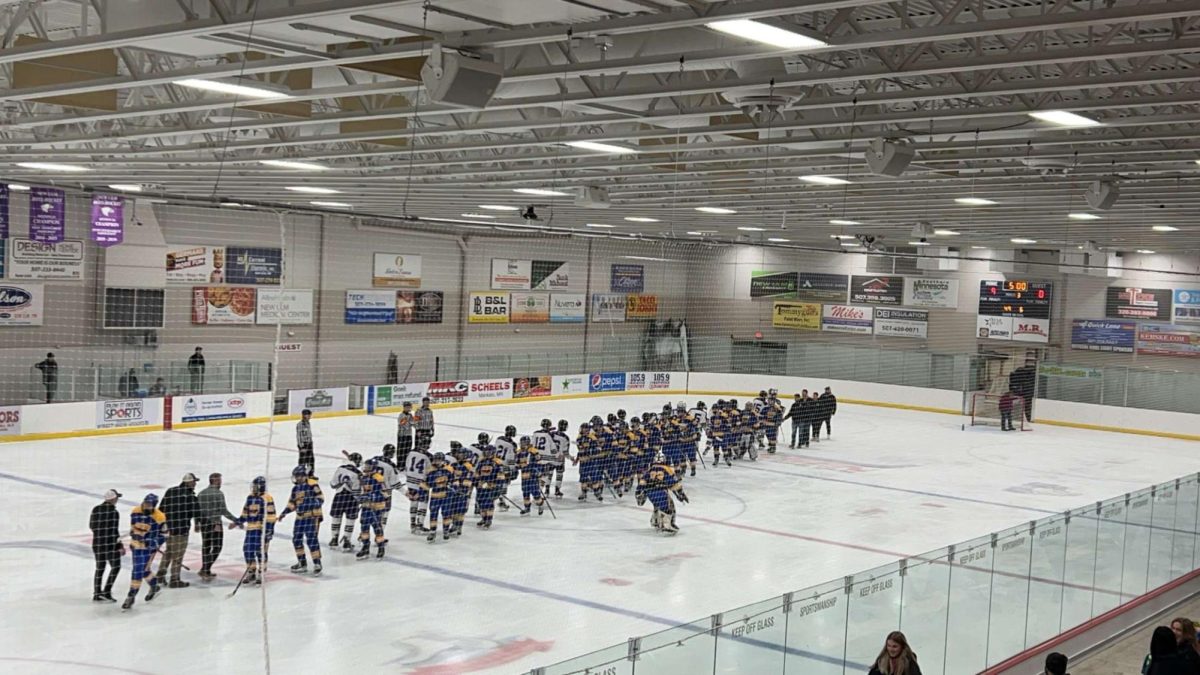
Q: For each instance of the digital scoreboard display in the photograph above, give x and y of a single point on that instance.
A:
(1019, 298)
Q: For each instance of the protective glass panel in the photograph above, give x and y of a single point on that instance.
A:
(1047, 567)
(611, 661)
(684, 649)
(1010, 593)
(970, 598)
(753, 639)
(1136, 566)
(1164, 508)
(924, 606)
(1183, 545)
(1110, 556)
(875, 600)
(816, 630)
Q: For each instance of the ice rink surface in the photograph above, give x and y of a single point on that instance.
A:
(532, 590)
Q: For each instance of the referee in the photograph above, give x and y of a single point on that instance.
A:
(423, 421)
(106, 545)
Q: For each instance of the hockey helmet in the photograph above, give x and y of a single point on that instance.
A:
(484, 438)
(733, 403)
(151, 499)
(762, 393)
(389, 450)
(700, 405)
(258, 485)
(489, 450)
(438, 458)
(563, 425)
(666, 408)
(584, 426)
(611, 418)
(647, 416)
(596, 421)
(749, 405)
(510, 431)
(635, 422)
(355, 458)
(680, 405)
(371, 464)
(456, 448)
(299, 473)
(546, 424)
(526, 441)
(408, 405)
(306, 413)
(773, 392)
(621, 414)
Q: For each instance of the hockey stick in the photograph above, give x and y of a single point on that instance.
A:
(164, 554)
(519, 507)
(608, 484)
(547, 503)
(240, 582)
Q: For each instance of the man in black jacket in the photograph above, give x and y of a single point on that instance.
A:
(181, 506)
(806, 419)
(828, 409)
(106, 545)
(793, 414)
(196, 368)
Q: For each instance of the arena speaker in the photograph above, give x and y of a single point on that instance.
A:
(458, 79)
(1102, 195)
(889, 158)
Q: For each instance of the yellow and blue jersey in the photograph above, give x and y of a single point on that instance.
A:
(437, 482)
(258, 514)
(374, 489)
(661, 477)
(146, 528)
(306, 500)
(489, 474)
(527, 462)
(464, 476)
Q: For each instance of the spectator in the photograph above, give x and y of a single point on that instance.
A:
(1165, 657)
(181, 507)
(814, 402)
(195, 366)
(128, 385)
(896, 657)
(793, 414)
(159, 388)
(49, 368)
(1056, 664)
(106, 545)
(1006, 410)
(828, 410)
(1185, 636)
(212, 535)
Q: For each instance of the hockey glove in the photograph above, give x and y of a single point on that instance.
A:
(683, 497)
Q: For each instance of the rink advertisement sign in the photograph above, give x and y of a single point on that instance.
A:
(601, 382)
(796, 315)
(253, 265)
(138, 412)
(876, 290)
(905, 323)
(819, 287)
(10, 420)
(529, 308)
(489, 390)
(395, 395)
(488, 308)
(847, 319)
(608, 307)
(449, 391)
(330, 399)
(1103, 335)
(1187, 306)
(211, 407)
(994, 327)
(767, 284)
(931, 293)
(285, 307)
(370, 307)
(532, 387)
(1014, 328)
(21, 305)
(195, 265)
(639, 306)
(223, 305)
(1164, 339)
(29, 259)
(396, 270)
(511, 274)
(419, 306)
(647, 381)
(568, 307)
(549, 275)
(627, 279)
(1151, 304)
(568, 384)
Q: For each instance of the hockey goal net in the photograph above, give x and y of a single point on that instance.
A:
(985, 411)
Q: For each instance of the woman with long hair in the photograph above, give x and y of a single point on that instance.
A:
(1185, 636)
(1165, 657)
(896, 657)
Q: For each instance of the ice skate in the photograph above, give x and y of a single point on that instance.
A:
(363, 552)
(154, 588)
(379, 551)
(128, 602)
(333, 542)
(300, 567)
(431, 536)
(346, 545)
(316, 568)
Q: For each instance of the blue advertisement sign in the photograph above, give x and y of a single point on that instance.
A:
(1103, 335)
(628, 279)
(370, 307)
(1187, 306)
(3, 255)
(606, 382)
(253, 265)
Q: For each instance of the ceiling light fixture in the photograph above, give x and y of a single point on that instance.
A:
(979, 248)
(49, 166)
(850, 244)
(499, 207)
(126, 187)
(1165, 228)
(714, 209)
(231, 88)
(839, 221)
(1023, 240)
(974, 201)
(540, 192)
(1063, 118)
(756, 31)
(778, 240)
(18, 187)
(1144, 250)
(291, 164)
(642, 257)
(824, 180)
(918, 243)
(309, 189)
(641, 219)
(333, 205)
(476, 215)
(841, 236)
(750, 229)
(1083, 216)
(947, 233)
(603, 147)
(602, 225)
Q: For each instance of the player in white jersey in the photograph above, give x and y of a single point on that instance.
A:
(563, 442)
(506, 451)
(700, 416)
(547, 448)
(346, 484)
(416, 466)
(392, 479)
(759, 405)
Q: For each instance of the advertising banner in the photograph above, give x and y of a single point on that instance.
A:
(253, 265)
(287, 307)
(108, 220)
(489, 390)
(370, 307)
(138, 412)
(1030, 330)
(213, 305)
(1103, 335)
(819, 287)
(511, 274)
(488, 308)
(29, 259)
(549, 275)
(1187, 306)
(647, 381)
(532, 387)
(396, 395)
(847, 319)
(608, 308)
(767, 284)
(195, 264)
(797, 315)
(333, 399)
(599, 382)
(1152, 304)
(1164, 339)
(641, 306)
(21, 305)
(569, 384)
(10, 420)
(396, 270)
(211, 407)
(994, 327)
(568, 307)
(47, 215)
(449, 391)
(906, 323)
(3, 255)
(934, 293)
(529, 308)
(419, 306)
(627, 279)
(876, 290)
(4, 194)
(1072, 372)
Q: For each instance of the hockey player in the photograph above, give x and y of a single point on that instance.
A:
(346, 484)
(658, 484)
(603, 455)
(304, 441)
(392, 479)
(772, 417)
(585, 456)
(621, 461)
(404, 432)
(437, 485)
(689, 436)
(463, 482)
(146, 533)
(622, 425)
(307, 502)
(748, 431)
(547, 448)
(639, 453)
(699, 416)
(258, 518)
(562, 442)
(529, 464)
(759, 407)
(371, 501)
(722, 434)
(489, 475)
(506, 451)
(416, 466)
(423, 423)
(482, 443)
(672, 433)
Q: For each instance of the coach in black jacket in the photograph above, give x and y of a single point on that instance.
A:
(105, 524)
(181, 507)
(828, 408)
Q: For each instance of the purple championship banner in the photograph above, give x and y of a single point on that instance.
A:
(3, 211)
(108, 220)
(47, 215)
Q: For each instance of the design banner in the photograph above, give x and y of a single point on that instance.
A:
(419, 306)
(31, 259)
(820, 287)
(396, 270)
(1103, 335)
(608, 307)
(47, 215)
(108, 220)
(876, 290)
(1153, 304)
(1187, 306)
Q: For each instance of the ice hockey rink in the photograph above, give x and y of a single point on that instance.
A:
(533, 590)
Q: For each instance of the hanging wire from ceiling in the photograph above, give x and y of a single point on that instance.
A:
(416, 120)
(234, 106)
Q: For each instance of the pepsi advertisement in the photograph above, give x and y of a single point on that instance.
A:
(606, 382)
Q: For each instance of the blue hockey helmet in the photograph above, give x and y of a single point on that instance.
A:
(259, 484)
(298, 472)
(438, 458)
(151, 499)
(526, 441)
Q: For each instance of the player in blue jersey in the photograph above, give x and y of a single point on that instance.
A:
(258, 518)
(436, 484)
(529, 464)
(658, 485)
(146, 533)
(308, 502)
(489, 476)
(464, 481)
(371, 502)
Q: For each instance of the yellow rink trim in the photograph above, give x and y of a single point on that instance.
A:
(81, 432)
(853, 401)
(1121, 430)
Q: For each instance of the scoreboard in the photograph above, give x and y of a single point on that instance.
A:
(1016, 298)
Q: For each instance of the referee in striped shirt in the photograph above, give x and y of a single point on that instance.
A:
(304, 441)
(423, 421)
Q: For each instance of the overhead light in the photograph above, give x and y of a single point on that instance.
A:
(979, 248)
(607, 227)
(499, 207)
(756, 31)
(541, 192)
(603, 147)
(841, 236)
(947, 233)
(839, 221)
(18, 187)
(641, 219)
(918, 243)
(824, 180)
(778, 240)
(642, 257)
(695, 233)
(974, 201)
(236, 205)
(49, 166)
(333, 205)
(126, 188)
(922, 229)
(1063, 118)
(714, 209)
(1165, 228)
(290, 164)
(1144, 250)
(309, 189)
(1083, 216)
(1022, 240)
(750, 229)
(231, 88)
(476, 215)
(850, 244)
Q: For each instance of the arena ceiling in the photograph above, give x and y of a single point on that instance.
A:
(703, 118)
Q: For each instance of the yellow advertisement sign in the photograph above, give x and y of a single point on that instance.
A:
(488, 308)
(638, 306)
(797, 315)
